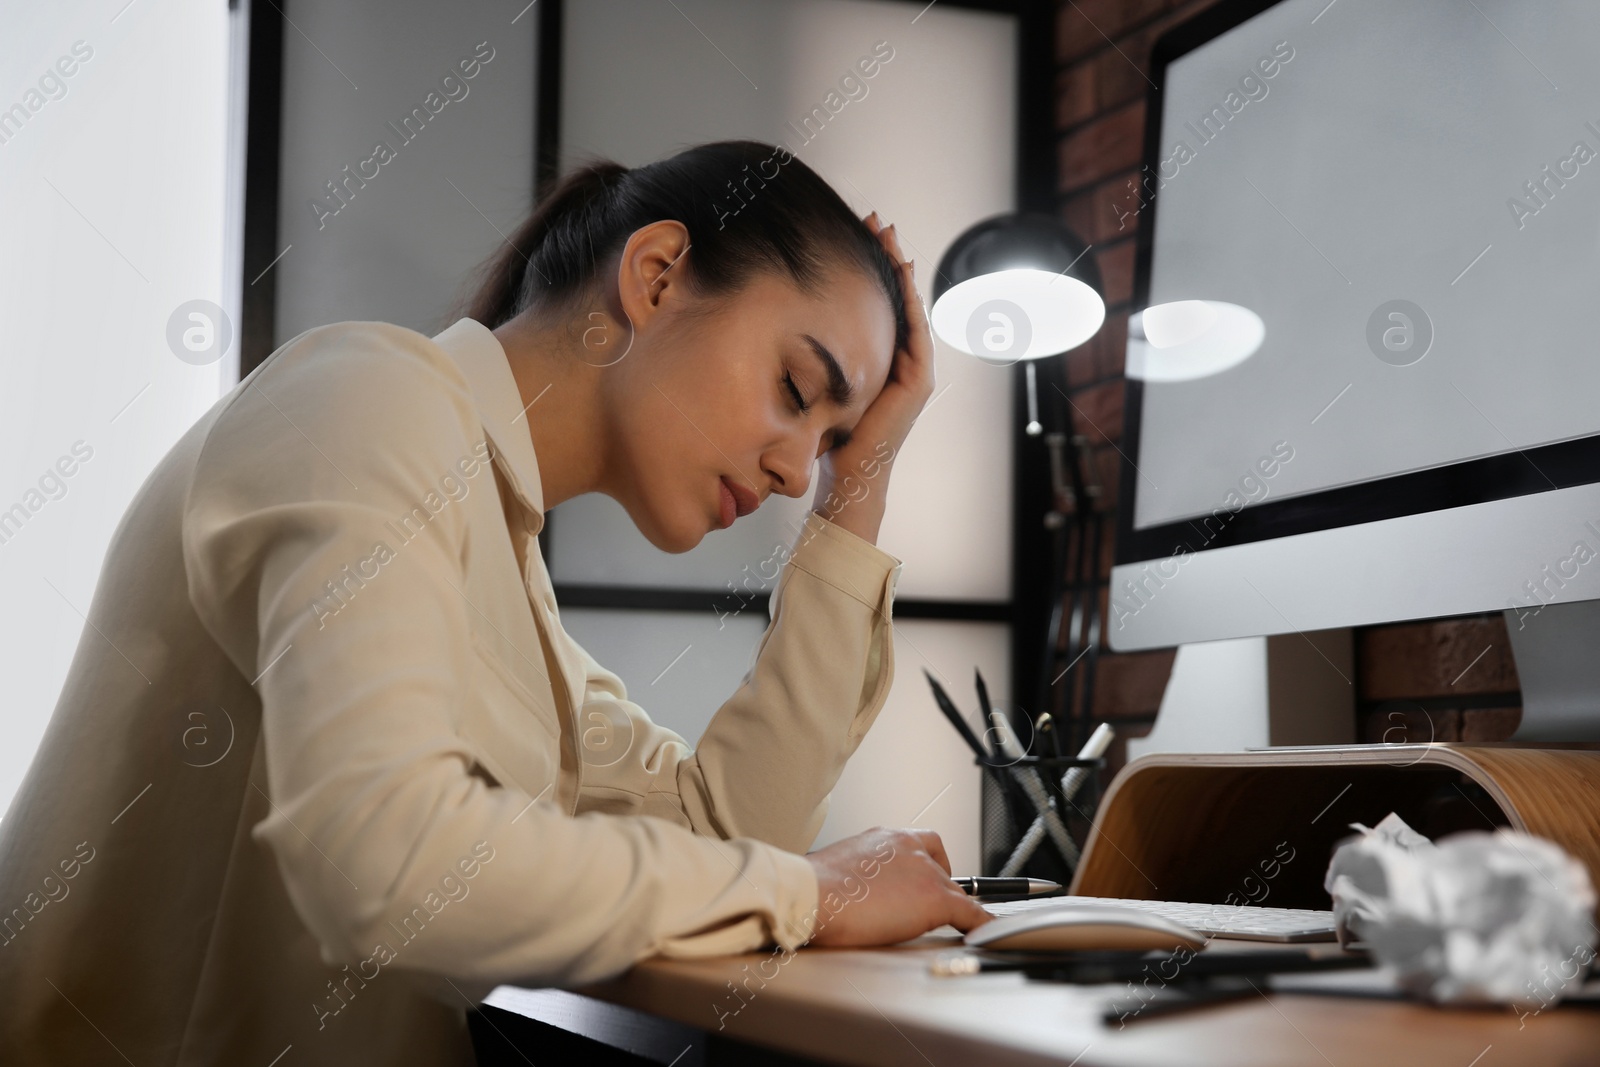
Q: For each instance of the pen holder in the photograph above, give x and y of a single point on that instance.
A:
(1008, 811)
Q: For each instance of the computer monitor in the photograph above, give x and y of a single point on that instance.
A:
(1365, 383)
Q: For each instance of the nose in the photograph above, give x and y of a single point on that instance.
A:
(790, 467)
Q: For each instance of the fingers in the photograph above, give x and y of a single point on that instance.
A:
(891, 241)
(966, 913)
(921, 339)
(914, 308)
(908, 279)
(889, 237)
(886, 236)
(920, 342)
(933, 845)
(961, 910)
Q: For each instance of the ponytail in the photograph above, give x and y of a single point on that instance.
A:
(503, 281)
(748, 207)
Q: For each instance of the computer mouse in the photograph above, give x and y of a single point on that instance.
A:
(1083, 927)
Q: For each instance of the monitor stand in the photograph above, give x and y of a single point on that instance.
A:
(1557, 649)
(1255, 692)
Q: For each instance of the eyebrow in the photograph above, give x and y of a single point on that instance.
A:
(840, 391)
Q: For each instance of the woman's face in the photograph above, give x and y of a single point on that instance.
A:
(746, 393)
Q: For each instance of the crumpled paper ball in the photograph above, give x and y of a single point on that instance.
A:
(1478, 918)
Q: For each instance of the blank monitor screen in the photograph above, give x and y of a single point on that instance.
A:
(1407, 197)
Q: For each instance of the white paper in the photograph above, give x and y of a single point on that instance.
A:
(1477, 918)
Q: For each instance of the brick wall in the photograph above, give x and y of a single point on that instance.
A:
(1441, 680)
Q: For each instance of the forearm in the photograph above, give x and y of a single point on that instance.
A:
(772, 753)
(471, 882)
(853, 489)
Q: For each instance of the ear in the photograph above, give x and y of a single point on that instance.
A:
(651, 274)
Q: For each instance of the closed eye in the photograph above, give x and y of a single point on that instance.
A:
(799, 401)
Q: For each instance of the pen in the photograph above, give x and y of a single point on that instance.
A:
(1045, 727)
(950, 712)
(988, 715)
(1002, 780)
(1093, 748)
(1015, 887)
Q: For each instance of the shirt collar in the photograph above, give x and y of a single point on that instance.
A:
(483, 361)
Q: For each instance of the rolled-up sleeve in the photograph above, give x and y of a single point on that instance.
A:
(358, 644)
(773, 752)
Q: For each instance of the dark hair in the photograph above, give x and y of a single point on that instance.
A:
(748, 207)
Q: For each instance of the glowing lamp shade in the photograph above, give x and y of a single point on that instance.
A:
(1021, 313)
(1188, 339)
(1017, 287)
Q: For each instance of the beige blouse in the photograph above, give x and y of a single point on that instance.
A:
(326, 768)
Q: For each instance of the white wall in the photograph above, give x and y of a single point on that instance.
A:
(114, 197)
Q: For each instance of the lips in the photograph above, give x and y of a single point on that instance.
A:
(737, 501)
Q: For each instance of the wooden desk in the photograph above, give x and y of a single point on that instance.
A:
(1155, 837)
(881, 1007)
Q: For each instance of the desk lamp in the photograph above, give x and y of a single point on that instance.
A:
(1017, 287)
(1020, 287)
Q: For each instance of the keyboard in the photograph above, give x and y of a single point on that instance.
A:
(1242, 921)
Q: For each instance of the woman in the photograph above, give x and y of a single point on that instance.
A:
(326, 768)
